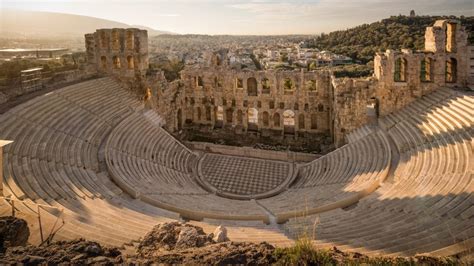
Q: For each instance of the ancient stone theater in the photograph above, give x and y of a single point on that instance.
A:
(394, 175)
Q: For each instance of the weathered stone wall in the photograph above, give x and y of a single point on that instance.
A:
(282, 104)
(271, 102)
(443, 44)
(350, 100)
(121, 52)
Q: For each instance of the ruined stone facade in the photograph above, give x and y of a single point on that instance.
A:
(270, 102)
(401, 77)
(282, 104)
(405, 75)
(120, 52)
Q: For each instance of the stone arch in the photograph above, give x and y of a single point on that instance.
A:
(199, 82)
(115, 39)
(240, 117)
(451, 70)
(372, 109)
(104, 42)
(180, 119)
(289, 121)
(288, 84)
(426, 69)
(130, 40)
(251, 86)
(288, 118)
(252, 115)
(311, 85)
(314, 121)
(276, 120)
(320, 107)
(451, 37)
(239, 83)
(220, 113)
(199, 113)
(265, 86)
(116, 61)
(301, 122)
(400, 70)
(208, 113)
(130, 62)
(266, 119)
(229, 113)
(103, 62)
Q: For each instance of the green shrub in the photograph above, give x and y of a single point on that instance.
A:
(303, 253)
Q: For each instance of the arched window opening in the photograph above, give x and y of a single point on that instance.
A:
(320, 107)
(296, 107)
(288, 85)
(130, 62)
(266, 119)
(425, 71)
(372, 110)
(251, 87)
(252, 116)
(240, 117)
(220, 113)
(265, 86)
(208, 113)
(451, 37)
(451, 70)
(103, 61)
(276, 120)
(400, 70)
(179, 119)
(199, 113)
(314, 121)
(288, 118)
(311, 85)
(301, 124)
(289, 122)
(239, 83)
(116, 61)
(228, 115)
(115, 40)
(199, 82)
(130, 40)
(104, 42)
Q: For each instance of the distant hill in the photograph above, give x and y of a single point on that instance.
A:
(34, 24)
(362, 42)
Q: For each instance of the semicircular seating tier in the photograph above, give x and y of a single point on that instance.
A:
(335, 180)
(151, 165)
(427, 207)
(56, 167)
(89, 154)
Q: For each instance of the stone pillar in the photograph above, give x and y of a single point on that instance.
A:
(2, 143)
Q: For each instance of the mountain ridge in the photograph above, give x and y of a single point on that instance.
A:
(31, 24)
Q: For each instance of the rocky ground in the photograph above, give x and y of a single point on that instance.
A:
(178, 243)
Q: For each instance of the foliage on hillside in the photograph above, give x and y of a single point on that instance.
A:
(362, 42)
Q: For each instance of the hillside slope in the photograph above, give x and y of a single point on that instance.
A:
(362, 42)
(35, 24)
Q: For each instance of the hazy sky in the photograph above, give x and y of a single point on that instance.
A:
(246, 16)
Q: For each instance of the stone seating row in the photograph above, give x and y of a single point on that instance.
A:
(335, 180)
(429, 204)
(359, 133)
(147, 141)
(47, 165)
(157, 169)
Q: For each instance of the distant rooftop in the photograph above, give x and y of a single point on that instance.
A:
(21, 50)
